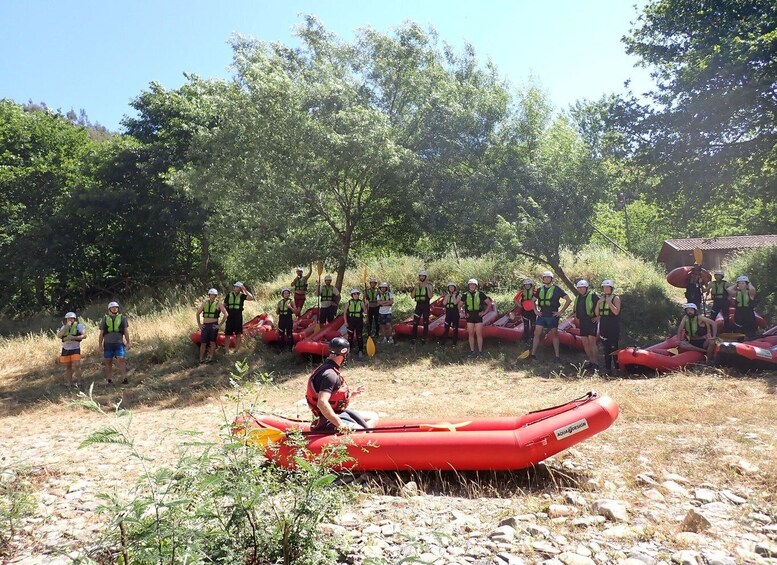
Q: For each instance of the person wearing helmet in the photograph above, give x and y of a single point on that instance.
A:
(696, 333)
(329, 296)
(548, 311)
(475, 303)
(608, 310)
(328, 395)
(422, 293)
(114, 340)
(234, 302)
(694, 285)
(452, 312)
(353, 320)
(208, 321)
(743, 293)
(285, 309)
(300, 286)
(373, 308)
(72, 333)
(719, 294)
(584, 309)
(385, 304)
(526, 298)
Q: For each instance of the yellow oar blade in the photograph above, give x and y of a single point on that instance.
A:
(444, 426)
(320, 268)
(698, 255)
(370, 346)
(525, 355)
(258, 436)
(673, 351)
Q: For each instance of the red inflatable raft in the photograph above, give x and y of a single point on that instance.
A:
(504, 443)
(436, 310)
(657, 357)
(506, 328)
(759, 353)
(437, 327)
(568, 336)
(679, 277)
(318, 343)
(257, 325)
(303, 327)
(720, 322)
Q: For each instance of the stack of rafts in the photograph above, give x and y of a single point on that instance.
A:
(260, 324)
(758, 353)
(303, 327)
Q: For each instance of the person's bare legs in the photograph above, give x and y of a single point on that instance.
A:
(471, 336)
(479, 335)
(554, 333)
(108, 364)
(536, 341)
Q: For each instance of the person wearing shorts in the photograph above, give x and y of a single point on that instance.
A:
(329, 296)
(475, 303)
(696, 333)
(585, 309)
(548, 301)
(385, 305)
(210, 311)
(234, 302)
(114, 339)
(422, 293)
(328, 395)
(72, 333)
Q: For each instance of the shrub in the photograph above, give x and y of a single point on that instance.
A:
(16, 503)
(760, 266)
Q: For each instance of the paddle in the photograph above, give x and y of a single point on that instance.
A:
(673, 351)
(371, 349)
(698, 255)
(525, 355)
(319, 269)
(269, 434)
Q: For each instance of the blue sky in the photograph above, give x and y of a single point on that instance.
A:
(98, 55)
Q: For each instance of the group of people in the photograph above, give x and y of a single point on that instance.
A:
(113, 340)
(722, 293)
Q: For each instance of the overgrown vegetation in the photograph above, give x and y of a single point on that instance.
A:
(759, 265)
(17, 502)
(221, 502)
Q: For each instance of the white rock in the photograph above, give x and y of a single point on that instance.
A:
(689, 538)
(613, 510)
(502, 533)
(620, 531)
(510, 559)
(372, 551)
(745, 467)
(705, 495)
(676, 478)
(645, 479)
(654, 495)
(583, 550)
(545, 547)
(712, 557)
(569, 558)
(672, 487)
(766, 549)
(561, 510)
(732, 497)
(410, 488)
(687, 557)
(538, 531)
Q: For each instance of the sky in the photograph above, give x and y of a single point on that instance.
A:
(99, 55)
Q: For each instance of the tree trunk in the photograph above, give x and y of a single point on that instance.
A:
(563, 276)
(343, 261)
(40, 290)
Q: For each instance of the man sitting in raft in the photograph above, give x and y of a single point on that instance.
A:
(548, 313)
(696, 333)
(328, 394)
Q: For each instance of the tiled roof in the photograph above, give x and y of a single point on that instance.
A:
(729, 242)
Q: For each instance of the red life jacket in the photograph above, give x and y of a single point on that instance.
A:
(339, 398)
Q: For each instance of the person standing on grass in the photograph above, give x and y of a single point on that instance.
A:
(373, 309)
(385, 304)
(422, 294)
(329, 296)
(353, 320)
(608, 311)
(210, 311)
(72, 333)
(476, 303)
(584, 308)
(328, 395)
(114, 340)
(548, 311)
(525, 299)
(696, 333)
(452, 312)
(285, 309)
(234, 303)
(743, 293)
(719, 294)
(300, 286)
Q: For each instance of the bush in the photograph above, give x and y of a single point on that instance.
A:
(16, 503)
(760, 266)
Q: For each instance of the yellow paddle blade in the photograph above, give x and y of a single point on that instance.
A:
(258, 436)
(320, 267)
(673, 351)
(316, 328)
(698, 255)
(525, 355)
(370, 346)
(730, 336)
(444, 426)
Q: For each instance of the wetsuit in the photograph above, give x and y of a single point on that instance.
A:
(744, 314)
(452, 316)
(584, 312)
(609, 332)
(373, 320)
(354, 310)
(529, 317)
(285, 323)
(720, 304)
(421, 309)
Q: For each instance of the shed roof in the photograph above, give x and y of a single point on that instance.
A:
(727, 243)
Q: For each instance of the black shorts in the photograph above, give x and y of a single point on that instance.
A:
(452, 316)
(356, 324)
(210, 332)
(285, 323)
(474, 318)
(234, 325)
(422, 309)
(698, 342)
(587, 327)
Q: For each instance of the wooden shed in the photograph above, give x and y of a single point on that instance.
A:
(678, 252)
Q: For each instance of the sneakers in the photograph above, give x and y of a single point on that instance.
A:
(480, 354)
(360, 355)
(471, 355)
(391, 340)
(125, 381)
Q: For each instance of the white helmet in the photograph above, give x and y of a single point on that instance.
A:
(608, 282)
(113, 304)
(328, 278)
(71, 315)
(718, 272)
(213, 291)
(690, 305)
(547, 274)
(285, 290)
(582, 283)
(472, 281)
(422, 273)
(355, 291)
(452, 284)
(373, 280)
(743, 278)
(299, 269)
(238, 283)
(383, 285)
(528, 280)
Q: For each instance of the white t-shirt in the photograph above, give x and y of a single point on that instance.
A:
(73, 345)
(385, 296)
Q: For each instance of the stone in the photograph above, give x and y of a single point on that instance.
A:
(676, 478)
(654, 495)
(744, 467)
(561, 510)
(646, 480)
(372, 551)
(636, 561)
(695, 521)
(640, 558)
(372, 529)
(717, 558)
(766, 549)
(569, 558)
(428, 557)
(575, 499)
(613, 510)
(621, 531)
(538, 531)
(689, 538)
(510, 559)
(705, 495)
(545, 547)
(585, 521)
(760, 518)
(716, 508)
(502, 534)
(672, 487)
(410, 488)
(583, 550)
(687, 557)
(511, 521)
(733, 497)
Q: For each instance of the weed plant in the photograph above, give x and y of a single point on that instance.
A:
(17, 502)
(221, 502)
(759, 265)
